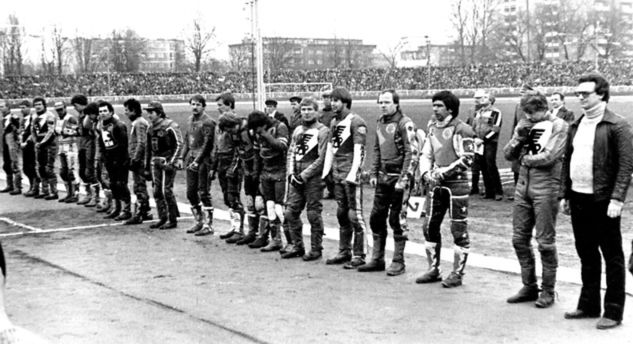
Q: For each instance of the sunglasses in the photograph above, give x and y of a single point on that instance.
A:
(584, 94)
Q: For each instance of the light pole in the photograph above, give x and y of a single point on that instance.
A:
(595, 34)
(253, 69)
(428, 61)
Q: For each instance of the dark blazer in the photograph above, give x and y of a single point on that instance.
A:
(566, 115)
(612, 157)
(281, 118)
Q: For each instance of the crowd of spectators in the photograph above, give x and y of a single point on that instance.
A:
(620, 72)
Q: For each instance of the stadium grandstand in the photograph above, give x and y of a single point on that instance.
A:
(620, 72)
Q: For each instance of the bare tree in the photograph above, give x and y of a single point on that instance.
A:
(60, 49)
(240, 58)
(278, 52)
(337, 54)
(83, 54)
(12, 47)
(392, 53)
(47, 62)
(510, 38)
(459, 17)
(487, 21)
(199, 44)
(126, 51)
(565, 25)
(612, 32)
(475, 22)
(542, 27)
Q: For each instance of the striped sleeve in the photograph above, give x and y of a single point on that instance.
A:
(174, 130)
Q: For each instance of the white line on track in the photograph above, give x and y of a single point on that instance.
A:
(479, 260)
(35, 230)
(21, 225)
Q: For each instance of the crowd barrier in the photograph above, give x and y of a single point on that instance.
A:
(404, 94)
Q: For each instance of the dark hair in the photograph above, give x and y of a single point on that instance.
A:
(394, 95)
(227, 121)
(343, 95)
(39, 99)
(200, 99)
(562, 96)
(310, 102)
(79, 99)
(533, 102)
(91, 109)
(134, 105)
(450, 101)
(602, 85)
(25, 103)
(258, 119)
(227, 99)
(106, 104)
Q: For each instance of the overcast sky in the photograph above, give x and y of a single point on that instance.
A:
(376, 22)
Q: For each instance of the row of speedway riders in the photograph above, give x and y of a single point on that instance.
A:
(282, 174)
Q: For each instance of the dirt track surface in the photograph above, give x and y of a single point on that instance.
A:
(129, 284)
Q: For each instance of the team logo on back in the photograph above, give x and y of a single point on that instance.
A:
(306, 142)
(341, 134)
(447, 133)
(539, 135)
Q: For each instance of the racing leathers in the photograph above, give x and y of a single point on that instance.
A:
(43, 134)
(67, 132)
(487, 125)
(247, 154)
(395, 154)
(344, 158)
(273, 146)
(87, 163)
(197, 147)
(12, 157)
(28, 154)
(102, 175)
(305, 189)
(137, 149)
(539, 147)
(230, 180)
(446, 156)
(163, 149)
(113, 147)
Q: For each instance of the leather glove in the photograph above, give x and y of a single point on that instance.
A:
(402, 183)
(437, 175)
(522, 133)
(631, 261)
(193, 167)
(373, 181)
(178, 164)
(429, 179)
(296, 180)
